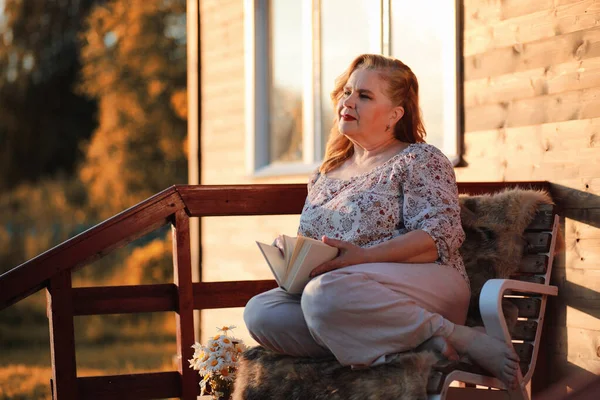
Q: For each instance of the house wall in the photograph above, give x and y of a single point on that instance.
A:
(229, 251)
(532, 112)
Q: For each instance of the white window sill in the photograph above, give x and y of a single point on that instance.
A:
(284, 169)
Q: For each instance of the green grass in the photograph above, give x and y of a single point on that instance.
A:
(25, 371)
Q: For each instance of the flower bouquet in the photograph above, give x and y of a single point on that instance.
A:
(217, 363)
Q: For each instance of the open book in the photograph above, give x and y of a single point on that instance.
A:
(300, 256)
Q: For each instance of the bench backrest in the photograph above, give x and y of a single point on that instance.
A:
(536, 266)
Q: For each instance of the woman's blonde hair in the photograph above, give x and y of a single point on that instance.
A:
(402, 89)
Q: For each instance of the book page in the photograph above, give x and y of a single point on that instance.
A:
(300, 243)
(275, 261)
(310, 256)
(289, 249)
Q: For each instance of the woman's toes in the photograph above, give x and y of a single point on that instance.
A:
(511, 379)
(511, 366)
(512, 355)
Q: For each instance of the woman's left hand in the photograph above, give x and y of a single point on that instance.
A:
(349, 254)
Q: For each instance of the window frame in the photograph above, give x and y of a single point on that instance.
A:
(257, 87)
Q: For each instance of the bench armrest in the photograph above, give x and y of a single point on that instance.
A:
(490, 303)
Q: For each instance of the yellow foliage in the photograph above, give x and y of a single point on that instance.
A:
(152, 263)
(23, 382)
(155, 88)
(179, 102)
(138, 77)
(32, 382)
(36, 217)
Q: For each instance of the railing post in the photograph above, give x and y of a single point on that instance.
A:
(185, 305)
(62, 336)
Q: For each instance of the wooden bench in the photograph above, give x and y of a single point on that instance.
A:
(174, 206)
(528, 291)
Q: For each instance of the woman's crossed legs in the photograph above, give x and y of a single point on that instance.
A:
(364, 312)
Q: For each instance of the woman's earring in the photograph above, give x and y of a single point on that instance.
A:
(387, 128)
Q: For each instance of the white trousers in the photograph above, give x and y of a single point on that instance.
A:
(361, 313)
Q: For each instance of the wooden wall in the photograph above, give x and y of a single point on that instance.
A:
(532, 111)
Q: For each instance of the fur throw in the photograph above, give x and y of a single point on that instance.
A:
(265, 375)
(494, 244)
(493, 248)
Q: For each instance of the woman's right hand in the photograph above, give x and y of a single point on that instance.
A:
(278, 242)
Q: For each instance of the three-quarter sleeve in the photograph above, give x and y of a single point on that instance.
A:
(431, 201)
(313, 179)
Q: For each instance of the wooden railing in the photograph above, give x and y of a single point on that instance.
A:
(52, 270)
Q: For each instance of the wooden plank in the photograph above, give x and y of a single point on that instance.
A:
(572, 105)
(468, 393)
(541, 53)
(558, 171)
(573, 312)
(537, 242)
(182, 271)
(537, 153)
(581, 238)
(162, 297)
(587, 392)
(545, 147)
(564, 377)
(543, 219)
(548, 80)
(578, 343)
(525, 330)
(580, 286)
(578, 303)
(94, 243)
(533, 264)
(124, 299)
(282, 199)
(515, 166)
(62, 337)
(578, 193)
(538, 23)
(211, 295)
(582, 254)
(529, 278)
(529, 307)
(580, 317)
(488, 13)
(524, 351)
(274, 199)
(582, 223)
(481, 14)
(515, 8)
(479, 167)
(159, 385)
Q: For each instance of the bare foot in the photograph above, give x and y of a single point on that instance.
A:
(441, 345)
(490, 353)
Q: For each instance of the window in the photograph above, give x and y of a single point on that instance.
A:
(295, 50)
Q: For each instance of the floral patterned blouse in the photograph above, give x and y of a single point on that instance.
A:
(415, 189)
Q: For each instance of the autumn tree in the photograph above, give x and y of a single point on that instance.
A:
(41, 118)
(65, 166)
(134, 65)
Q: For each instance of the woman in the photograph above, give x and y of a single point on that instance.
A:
(389, 203)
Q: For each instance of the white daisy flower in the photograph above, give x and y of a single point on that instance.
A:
(217, 362)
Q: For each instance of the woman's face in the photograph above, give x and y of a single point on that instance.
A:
(365, 111)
